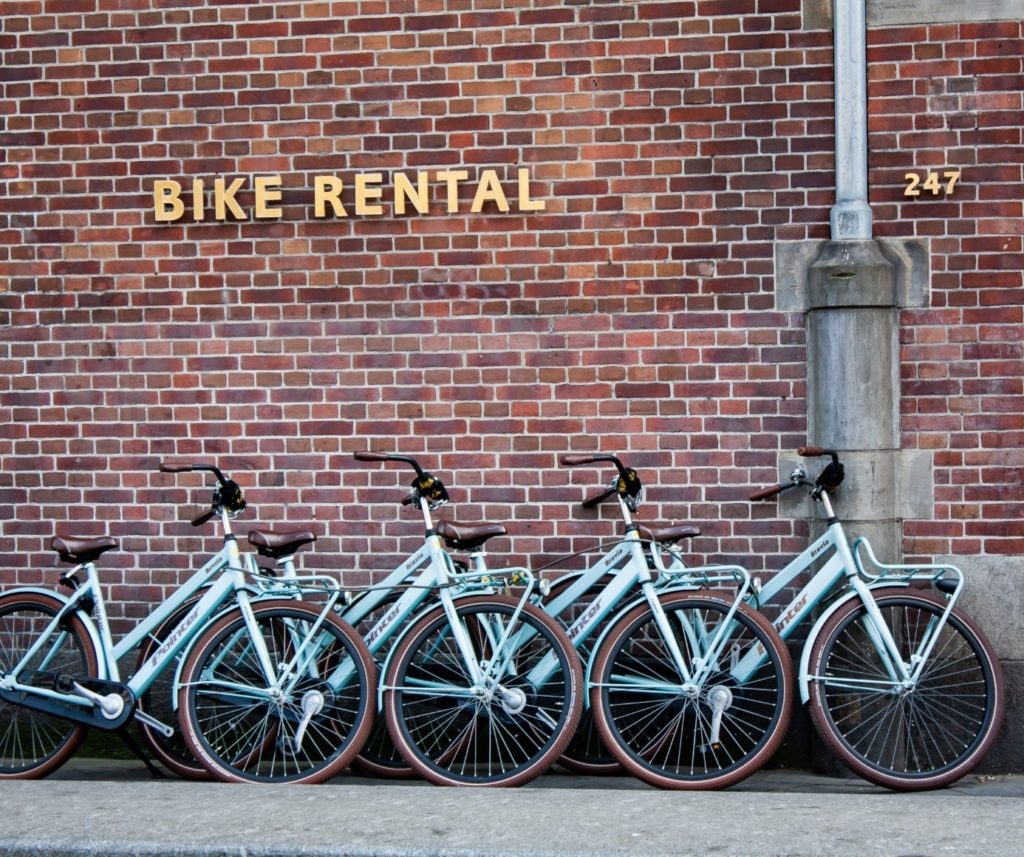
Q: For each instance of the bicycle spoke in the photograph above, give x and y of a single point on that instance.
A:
(921, 730)
(501, 729)
(673, 733)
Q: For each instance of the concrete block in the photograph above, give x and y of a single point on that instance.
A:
(915, 493)
(879, 485)
(852, 401)
(792, 261)
(994, 597)
(851, 274)
(910, 258)
(817, 14)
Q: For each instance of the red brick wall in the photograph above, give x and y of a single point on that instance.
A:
(949, 97)
(673, 143)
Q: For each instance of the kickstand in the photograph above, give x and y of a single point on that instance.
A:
(136, 751)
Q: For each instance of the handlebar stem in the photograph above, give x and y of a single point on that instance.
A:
(624, 509)
(225, 521)
(425, 509)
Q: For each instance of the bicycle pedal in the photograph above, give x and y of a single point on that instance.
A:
(63, 683)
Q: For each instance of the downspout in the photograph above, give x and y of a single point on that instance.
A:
(850, 218)
(852, 316)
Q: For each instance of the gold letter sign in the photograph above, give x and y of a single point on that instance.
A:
(237, 199)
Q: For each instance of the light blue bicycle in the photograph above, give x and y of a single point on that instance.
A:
(681, 720)
(662, 693)
(902, 685)
(480, 688)
(59, 666)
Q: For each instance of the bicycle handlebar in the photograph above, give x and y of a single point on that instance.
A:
(597, 499)
(830, 478)
(227, 496)
(813, 451)
(626, 485)
(189, 468)
(368, 455)
(765, 493)
(574, 460)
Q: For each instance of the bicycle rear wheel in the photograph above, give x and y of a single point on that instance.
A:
(585, 753)
(172, 751)
(303, 728)
(501, 731)
(923, 737)
(379, 756)
(33, 743)
(663, 730)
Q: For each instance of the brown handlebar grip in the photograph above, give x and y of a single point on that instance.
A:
(366, 455)
(174, 468)
(765, 493)
(573, 460)
(597, 499)
(203, 517)
(811, 451)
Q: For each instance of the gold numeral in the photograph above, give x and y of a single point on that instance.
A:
(931, 182)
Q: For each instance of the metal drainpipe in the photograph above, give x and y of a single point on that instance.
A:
(850, 218)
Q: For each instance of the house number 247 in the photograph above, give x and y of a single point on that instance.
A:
(932, 182)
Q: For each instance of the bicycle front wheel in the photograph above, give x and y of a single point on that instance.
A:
(502, 729)
(301, 723)
(704, 733)
(906, 738)
(32, 743)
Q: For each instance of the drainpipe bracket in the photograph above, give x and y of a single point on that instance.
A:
(851, 274)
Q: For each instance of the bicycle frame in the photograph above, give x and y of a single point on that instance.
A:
(628, 555)
(839, 563)
(227, 563)
(429, 569)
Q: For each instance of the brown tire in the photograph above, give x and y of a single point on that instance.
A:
(504, 734)
(35, 743)
(659, 731)
(906, 739)
(246, 736)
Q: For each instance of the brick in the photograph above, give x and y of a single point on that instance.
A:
(673, 142)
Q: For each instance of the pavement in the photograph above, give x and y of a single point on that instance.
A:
(104, 808)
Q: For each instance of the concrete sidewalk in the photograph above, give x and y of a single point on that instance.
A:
(114, 809)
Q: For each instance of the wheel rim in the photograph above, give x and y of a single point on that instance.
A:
(915, 733)
(500, 732)
(664, 728)
(249, 736)
(32, 740)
